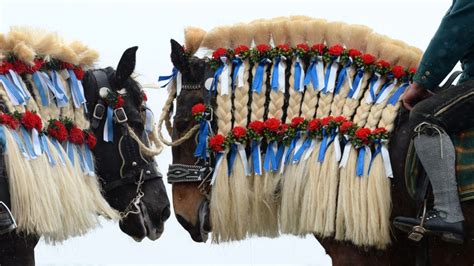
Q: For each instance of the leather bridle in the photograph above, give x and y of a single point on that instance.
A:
(135, 168)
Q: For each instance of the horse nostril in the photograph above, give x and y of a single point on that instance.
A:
(165, 214)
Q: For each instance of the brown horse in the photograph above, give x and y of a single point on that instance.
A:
(188, 198)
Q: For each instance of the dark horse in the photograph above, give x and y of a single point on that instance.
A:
(130, 179)
(188, 198)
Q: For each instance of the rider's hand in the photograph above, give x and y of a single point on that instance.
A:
(414, 94)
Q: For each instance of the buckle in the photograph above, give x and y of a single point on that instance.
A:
(120, 115)
(99, 111)
(209, 115)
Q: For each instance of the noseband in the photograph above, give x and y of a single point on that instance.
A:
(135, 168)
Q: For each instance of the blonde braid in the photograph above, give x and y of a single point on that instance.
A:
(351, 105)
(294, 101)
(6, 100)
(258, 99)
(339, 100)
(389, 114)
(241, 98)
(277, 99)
(310, 100)
(68, 110)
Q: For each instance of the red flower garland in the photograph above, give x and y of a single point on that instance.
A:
(217, 54)
(368, 59)
(318, 48)
(9, 120)
(32, 120)
(336, 50)
(5, 66)
(257, 127)
(76, 135)
(272, 124)
(241, 49)
(263, 48)
(57, 130)
(217, 143)
(91, 140)
(354, 53)
(398, 72)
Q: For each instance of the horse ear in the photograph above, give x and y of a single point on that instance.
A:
(126, 65)
(178, 56)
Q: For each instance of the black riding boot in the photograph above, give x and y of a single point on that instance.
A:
(7, 222)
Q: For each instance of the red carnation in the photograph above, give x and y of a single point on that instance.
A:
(345, 126)
(198, 108)
(412, 70)
(241, 49)
(368, 59)
(58, 131)
(239, 132)
(398, 71)
(383, 64)
(9, 121)
(32, 120)
(39, 62)
(363, 134)
(318, 48)
(20, 67)
(336, 50)
(219, 53)
(262, 48)
(284, 47)
(296, 121)
(354, 52)
(340, 119)
(76, 135)
(272, 124)
(325, 121)
(91, 140)
(282, 130)
(314, 124)
(5, 66)
(65, 65)
(216, 143)
(257, 127)
(379, 130)
(144, 96)
(119, 103)
(79, 73)
(303, 46)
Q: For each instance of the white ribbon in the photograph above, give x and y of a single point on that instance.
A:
(282, 163)
(345, 155)
(386, 161)
(369, 99)
(386, 92)
(243, 156)
(281, 75)
(10, 96)
(179, 83)
(310, 150)
(298, 145)
(240, 76)
(332, 75)
(36, 142)
(65, 74)
(320, 72)
(224, 77)
(337, 148)
(16, 80)
(218, 164)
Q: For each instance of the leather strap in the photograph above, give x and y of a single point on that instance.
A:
(178, 173)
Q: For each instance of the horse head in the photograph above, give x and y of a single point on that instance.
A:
(129, 177)
(189, 199)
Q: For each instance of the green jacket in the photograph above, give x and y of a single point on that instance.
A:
(453, 42)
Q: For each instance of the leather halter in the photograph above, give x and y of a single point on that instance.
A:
(135, 168)
(201, 170)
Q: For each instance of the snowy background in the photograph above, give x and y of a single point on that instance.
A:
(112, 26)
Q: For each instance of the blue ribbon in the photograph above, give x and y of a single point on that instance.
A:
(258, 78)
(396, 96)
(60, 151)
(201, 148)
(373, 80)
(299, 153)
(77, 92)
(169, 78)
(28, 143)
(254, 148)
(327, 140)
(360, 162)
(291, 148)
(384, 87)
(237, 62)
(42, 91)
(89, 160)
(61, 97)
(109, 135)
(81, 159)
(45, 149)
(270, 157)
(356, 82)
(297, 75)
(11, 88)
(232, 155)
(279, 157)
(20, 143)
(312, 74)
(378, 149)
(342, 76)
(22, 90)
(275, 85)
(326, 77)
(3, 140)
(70, 151)
(216, 78)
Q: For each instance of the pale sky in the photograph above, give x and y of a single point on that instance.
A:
(112, 26)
